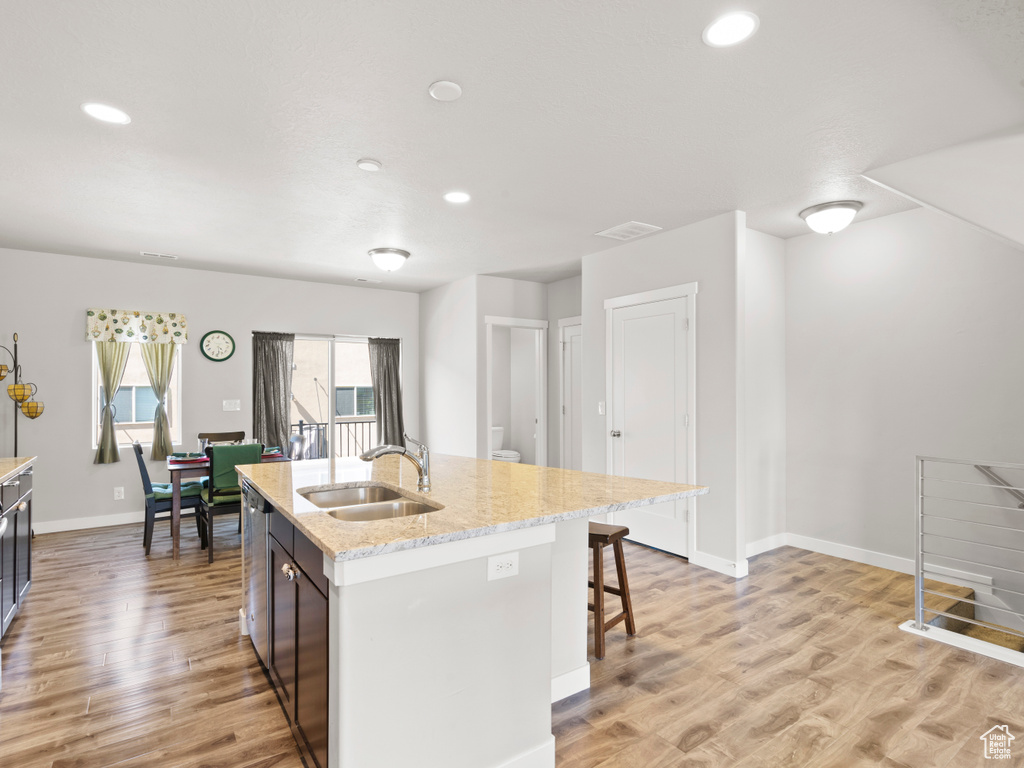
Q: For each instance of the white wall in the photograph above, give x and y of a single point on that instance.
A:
(764, 371)
(501, 380)
(564, 300)
(707, 253)
(448, 343)
(48, 312)
(903, 338)
(521, 432)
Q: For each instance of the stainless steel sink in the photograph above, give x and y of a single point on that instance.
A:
(344, 497)
(382, 510)
(366, 502)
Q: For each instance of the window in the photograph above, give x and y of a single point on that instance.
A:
(135, 402)
(353, 401)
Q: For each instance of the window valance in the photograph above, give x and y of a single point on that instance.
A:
(135, 326)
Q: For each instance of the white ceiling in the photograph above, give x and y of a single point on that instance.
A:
(577, 115)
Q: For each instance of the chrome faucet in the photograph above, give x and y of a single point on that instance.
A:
(421, 458)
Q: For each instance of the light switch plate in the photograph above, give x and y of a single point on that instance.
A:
(232, 405)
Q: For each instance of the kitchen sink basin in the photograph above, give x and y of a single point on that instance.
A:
(366, 502)
(382, 510)
(344, 497)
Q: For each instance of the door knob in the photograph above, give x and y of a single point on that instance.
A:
(616, 433)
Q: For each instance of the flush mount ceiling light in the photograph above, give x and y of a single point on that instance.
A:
(366, 164)
(730, 29)
(389, 259)
(445, 90)
(827, 218)
(106, 113)
(457, 197)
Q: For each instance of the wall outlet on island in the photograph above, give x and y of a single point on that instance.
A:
(232, 405)
(502, 566)
(119, 493)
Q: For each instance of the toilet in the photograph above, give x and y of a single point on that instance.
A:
(497, 438)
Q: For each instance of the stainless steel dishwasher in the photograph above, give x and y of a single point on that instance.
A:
(256, 512)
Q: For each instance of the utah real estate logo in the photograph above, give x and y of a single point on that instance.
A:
(997, 742)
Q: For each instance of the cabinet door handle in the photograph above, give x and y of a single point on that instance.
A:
(3, 527)
(23, 506)
(289, 572)
(616, 433)
(12, 484)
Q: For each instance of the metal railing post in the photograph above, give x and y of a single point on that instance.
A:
(919, 569)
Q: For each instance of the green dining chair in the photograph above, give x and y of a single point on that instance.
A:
(223, 496)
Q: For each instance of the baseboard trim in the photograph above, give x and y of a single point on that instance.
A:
(542, 756)
(766, 544)
(565, 685)
(84, 523)
(737, 570)
(856, 554)
(972, 644)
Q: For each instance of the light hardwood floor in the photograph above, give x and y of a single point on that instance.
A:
(122, 660)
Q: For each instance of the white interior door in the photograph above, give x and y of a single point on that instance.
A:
(649, 422)
(572, 397)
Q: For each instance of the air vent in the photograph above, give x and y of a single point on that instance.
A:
(365, 280)
(628, 231)
(155, 255)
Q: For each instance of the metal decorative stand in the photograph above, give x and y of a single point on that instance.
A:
(21, 393)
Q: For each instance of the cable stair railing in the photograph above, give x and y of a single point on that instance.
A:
(969, 571)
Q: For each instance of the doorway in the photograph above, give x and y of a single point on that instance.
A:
(651, 407)
(516, 359)
(570, 390)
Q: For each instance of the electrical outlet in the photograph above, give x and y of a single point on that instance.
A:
(232, 405)
(502, 566)
(119, 493)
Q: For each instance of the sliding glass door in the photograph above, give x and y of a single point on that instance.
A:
(332, 396)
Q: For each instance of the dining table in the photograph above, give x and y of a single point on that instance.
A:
(192, 465)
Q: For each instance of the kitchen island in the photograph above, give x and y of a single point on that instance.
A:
(449, 633)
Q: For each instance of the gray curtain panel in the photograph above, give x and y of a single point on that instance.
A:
(112, 357)
(159, 360)
(272, 387)
(385, 372)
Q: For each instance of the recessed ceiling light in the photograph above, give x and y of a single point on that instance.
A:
(106, 113)
(389, 259)
(457, 197)
(367, 164)
(828, 218)
(445, 90)
(730, 29)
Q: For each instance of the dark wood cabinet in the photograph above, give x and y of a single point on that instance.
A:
(282, 623)
(299, 636)
(15, 546)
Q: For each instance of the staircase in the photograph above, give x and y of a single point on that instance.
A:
(958, 605)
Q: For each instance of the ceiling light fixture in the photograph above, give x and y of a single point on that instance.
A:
(366, 164)
(730, 29)
(828, 218)
(106, 113)
(389, 259)
(457, 197)
(445, 90)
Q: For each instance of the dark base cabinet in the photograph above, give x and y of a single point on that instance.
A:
(299, 635)
(15, 546)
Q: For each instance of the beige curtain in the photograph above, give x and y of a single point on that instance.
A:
(159, 360)
(112, 357)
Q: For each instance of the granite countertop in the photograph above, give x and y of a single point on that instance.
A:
(9, 467)
(479, 498)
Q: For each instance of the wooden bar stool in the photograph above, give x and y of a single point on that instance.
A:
(601, 536)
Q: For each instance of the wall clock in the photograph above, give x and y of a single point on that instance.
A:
(217, 346)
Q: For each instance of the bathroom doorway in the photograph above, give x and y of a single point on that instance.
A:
(516, 427)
